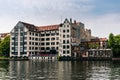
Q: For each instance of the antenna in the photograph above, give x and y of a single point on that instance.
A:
(61, 19)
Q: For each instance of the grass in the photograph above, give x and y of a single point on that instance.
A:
(3, 58)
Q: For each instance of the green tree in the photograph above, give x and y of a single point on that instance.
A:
(114, 44)
(111, 40)
(0, 40)
(5, 47)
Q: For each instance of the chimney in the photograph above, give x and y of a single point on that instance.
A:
(70, 20)
(74, 21)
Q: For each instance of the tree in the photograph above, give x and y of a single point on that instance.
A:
(114, 44)
(111, 40)
(5, 47)
(0, 40)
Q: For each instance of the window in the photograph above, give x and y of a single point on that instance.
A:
(57, 43)
(29, 48)
(67, 25)
(25, 38)
(67, 41)
(36, 48)
(21, 49)
(42, 35)
(47, 39)
(36, 43)
(68, 46)
(63, 51)
(16, 44)
(12, 43)
(67, 36)
(47, 43)
(52, 48)
(57, 38)
(68, 30)
(57, 33)
(63, 41)
(42, 48)
(21, 43)
(57, 48)
(21, 38)
(25, 43)
(63, 36)
(25, 33)
(30, 33)
(30, 38)
(32, 48)
(21, 34)
(63, 46)
(64, 31)
(52, 43)
(47, 48)
(68, 51)
(12, 48)
(13, 38)
(52, 34)
(33, 34)
(42, 39)
(36, 39)
(42, 44)
(47, 34)
(30, 43)
(53, 38)
(36, 34)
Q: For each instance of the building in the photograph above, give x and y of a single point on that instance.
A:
(3, 35)
(45, 42)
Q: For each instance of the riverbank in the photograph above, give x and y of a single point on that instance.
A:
(66, 59)
(4, 58)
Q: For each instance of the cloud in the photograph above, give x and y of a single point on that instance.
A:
(40, 12)
(105, 24)
(45, 12)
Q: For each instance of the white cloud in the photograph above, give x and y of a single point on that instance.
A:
(45, 12)
(103, 25)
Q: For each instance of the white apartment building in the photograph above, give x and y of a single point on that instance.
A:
(52, 40)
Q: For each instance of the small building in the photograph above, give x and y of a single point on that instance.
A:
(99, 53)
(3, 35)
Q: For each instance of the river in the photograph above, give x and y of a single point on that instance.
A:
(59, 70)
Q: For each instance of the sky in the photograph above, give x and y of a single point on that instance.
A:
(101, 16)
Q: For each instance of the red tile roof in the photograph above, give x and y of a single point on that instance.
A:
(31, 27)
(49, 27)
(3, 34)
(103, 39)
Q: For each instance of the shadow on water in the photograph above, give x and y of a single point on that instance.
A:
(59, 70)
(4, 64)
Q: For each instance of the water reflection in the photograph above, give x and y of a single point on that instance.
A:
(59, 70)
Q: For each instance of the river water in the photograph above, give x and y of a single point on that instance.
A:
(59, 70)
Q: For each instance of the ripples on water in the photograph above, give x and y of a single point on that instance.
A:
(58, 70)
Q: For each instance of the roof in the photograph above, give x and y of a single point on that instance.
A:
(32, 27)
(103, 39)
(49, 27)
(3, 34)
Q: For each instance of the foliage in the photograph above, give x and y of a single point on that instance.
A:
(5, 47)
(93, 46)
(111, 40)
(114, 43)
